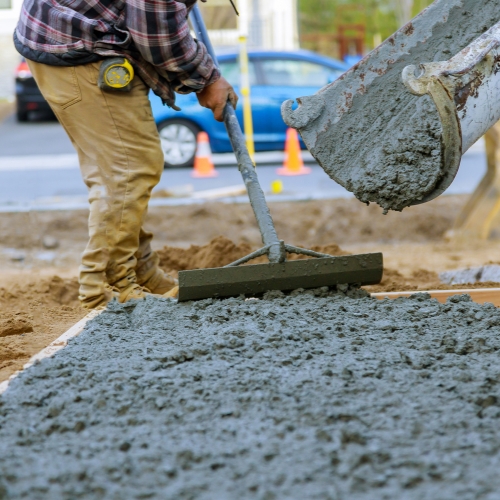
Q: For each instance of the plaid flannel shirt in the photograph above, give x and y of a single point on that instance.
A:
(152, 34)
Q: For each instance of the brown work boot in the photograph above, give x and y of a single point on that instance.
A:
(99, 301)
(173, 293)
(160, 283)
(131, 292)
(127, 289)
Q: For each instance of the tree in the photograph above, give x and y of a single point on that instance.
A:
(381, 17)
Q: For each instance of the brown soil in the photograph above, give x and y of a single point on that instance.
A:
(220, 252)
(34, 312)
(419, 280)
(37, 306)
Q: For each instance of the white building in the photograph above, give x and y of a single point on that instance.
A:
(9, 58)
(9, 13)
(269, 24)
(273, 25)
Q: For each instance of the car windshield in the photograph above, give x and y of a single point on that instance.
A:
(294, 73)
(231, 72)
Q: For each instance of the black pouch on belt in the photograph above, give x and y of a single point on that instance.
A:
(116, 74)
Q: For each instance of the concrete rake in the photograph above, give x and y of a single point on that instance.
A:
(279, 274)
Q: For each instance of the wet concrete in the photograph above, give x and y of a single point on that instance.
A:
(309, 396)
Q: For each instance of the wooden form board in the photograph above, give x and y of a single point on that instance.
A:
(479, 295)
(55, 346)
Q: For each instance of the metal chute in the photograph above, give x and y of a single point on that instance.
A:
(393, 129)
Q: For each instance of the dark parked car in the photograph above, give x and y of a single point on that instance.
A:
(28, 96)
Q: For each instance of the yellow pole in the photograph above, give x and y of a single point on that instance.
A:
(245, 92)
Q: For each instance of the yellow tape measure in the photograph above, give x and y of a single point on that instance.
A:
(116, 74)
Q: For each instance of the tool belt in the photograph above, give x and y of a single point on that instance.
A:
(116, 74)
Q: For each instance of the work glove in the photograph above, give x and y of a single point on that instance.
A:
(215, 97)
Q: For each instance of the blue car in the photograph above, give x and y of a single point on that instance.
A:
(274, 77)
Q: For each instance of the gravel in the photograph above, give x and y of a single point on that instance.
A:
(314, 395)
(482, 274)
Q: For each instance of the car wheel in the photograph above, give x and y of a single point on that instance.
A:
(178, 142)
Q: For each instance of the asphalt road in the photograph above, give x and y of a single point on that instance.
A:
(37, 162)
(33, 138)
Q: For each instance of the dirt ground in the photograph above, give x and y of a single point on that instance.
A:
(39, 254)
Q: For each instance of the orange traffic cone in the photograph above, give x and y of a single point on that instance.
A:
(203, 165)
(293, 164)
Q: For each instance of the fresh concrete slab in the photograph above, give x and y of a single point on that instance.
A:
(313, 395)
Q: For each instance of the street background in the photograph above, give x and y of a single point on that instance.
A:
(38, 166)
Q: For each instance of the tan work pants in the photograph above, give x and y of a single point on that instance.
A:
(121, 161)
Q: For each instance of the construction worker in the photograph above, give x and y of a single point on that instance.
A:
(65, 44)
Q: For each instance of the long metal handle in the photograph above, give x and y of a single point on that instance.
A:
(245, 165)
